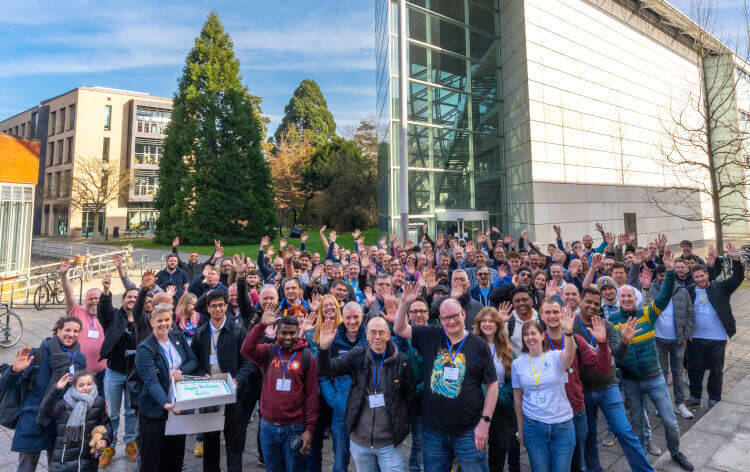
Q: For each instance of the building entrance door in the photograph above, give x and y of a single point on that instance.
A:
(462, 224)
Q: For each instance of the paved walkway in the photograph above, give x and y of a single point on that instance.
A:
(716, 440)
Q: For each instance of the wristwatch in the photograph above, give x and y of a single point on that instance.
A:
(486, 418)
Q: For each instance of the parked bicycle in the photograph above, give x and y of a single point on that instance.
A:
(49, 291)
(11, 327)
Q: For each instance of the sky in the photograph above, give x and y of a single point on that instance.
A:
(50, 47)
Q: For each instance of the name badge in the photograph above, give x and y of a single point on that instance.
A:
(538, 398)
(376, 400)
(72, 369)
(213, 360)
(93, 334)
(566, 376)
(283, 385)
(450, 373)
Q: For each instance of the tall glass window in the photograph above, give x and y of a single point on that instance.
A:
(152, 120)
(455, 134)
(16, 202)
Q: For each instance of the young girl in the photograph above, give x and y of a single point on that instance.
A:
(186, 318)
(76, 411)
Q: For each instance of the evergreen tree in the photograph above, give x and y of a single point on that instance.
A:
(307, 114)
(214, 180)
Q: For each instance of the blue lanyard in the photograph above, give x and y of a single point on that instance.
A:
(355, 285)
(284, 367)
(585, 333)
(212, 336)
(73, 356)
(450, 348)
(377, 376)
(168, 352)
(551, 346)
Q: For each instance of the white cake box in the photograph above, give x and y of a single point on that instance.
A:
(194, 394)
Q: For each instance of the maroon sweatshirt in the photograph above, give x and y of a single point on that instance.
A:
(299, 405)
(585, 357)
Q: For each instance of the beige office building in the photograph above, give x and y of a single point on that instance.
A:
(116, 126)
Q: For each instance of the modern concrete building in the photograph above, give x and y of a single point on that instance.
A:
(531, 113)
(119, 126)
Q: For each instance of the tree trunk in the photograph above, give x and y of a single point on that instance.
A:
(715, 200)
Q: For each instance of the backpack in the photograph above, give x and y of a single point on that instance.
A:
(12, 399)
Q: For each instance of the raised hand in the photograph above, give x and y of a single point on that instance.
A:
(64, 266)
(639, 257)
(309, 322)
(440, 240)
(610, 238)
(622, 239)
(171, 290)
(333, 235)
(599, 227)
(597, 261)
(327, 334)
(430, 278)
(282, 244)
(356, 233)
(628, 330)
(206, 271)
(64, 381)
(631, 237)
(646, 277)
(668, 259)
(361, 242)
(412, 291)
(557, 231)
(391, 307)
(148, 280)
(271, 251)
(117, 260)
(525, 234)
(567, 321)
(303, 237)
(322, 229)
(23, 359)
(598, 329)
(106, 283)
(175, 242)
(370, 297)
(506, 311)
(392, 237)
(732, 252)
(268, 318)
(264, 242)
(239, 265)
(502, 272)
(317, 272)
(552, 290)
(661, 241)
(219, 252)
(712, 256)
(314, 302)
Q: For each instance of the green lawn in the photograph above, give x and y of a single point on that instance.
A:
(314, 244)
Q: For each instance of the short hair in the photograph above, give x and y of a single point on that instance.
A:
(459, 271)
(420, 300)
(337, 265)
(80, 374)
(216, 295)
(171, 254)
(292, 278)
(289, 320)
(352, 306)
(698, 268)
(660, 269)
(550, 301)
(159, 309)
(518, 290)
(296, 311)
(336, 283)
(619, 265)
(445, 252)
(377, 319)
(591, 290)
(686, 242)
(305, 254)
(691, 257)
(382, 276)
(514, 255)
(60, 323)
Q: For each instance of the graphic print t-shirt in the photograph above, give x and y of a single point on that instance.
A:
(453, 406)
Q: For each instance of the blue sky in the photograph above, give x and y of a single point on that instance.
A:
(51, 47)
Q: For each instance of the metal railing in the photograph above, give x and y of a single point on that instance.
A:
(22, 283)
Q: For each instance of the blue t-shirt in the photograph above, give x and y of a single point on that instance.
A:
(707, 322)
(664, 326)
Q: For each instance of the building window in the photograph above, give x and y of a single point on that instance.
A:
(105, 150)
(69, 155)
(72, 122)
(148, 151)
(59, 151)
(16, 209)
(743, 75)
(50, 153)
(58, 192)
(152, 120)
(23, 130)
(16, 133)
(62, 119)
(107, 116)
(142, 219)
(67, 182)
(52, 122)
(34, 123)
(88, 220)
(145, 183)
(48, 185)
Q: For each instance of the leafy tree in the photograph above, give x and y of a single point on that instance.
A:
(365, 135)
(307, 114)
(215, 182)
(95, 185)
(287, 160)
(344, 184)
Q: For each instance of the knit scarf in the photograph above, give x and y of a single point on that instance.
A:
(80, 402)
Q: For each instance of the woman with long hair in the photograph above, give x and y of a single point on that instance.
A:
(502, 440)
(186, 318)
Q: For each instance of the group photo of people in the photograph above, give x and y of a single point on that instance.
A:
(435, 355)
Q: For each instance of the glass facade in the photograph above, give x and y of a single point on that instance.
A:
(455, 134)
(152, 120)
(16, 208)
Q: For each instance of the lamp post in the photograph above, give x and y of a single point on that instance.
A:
(403, 158)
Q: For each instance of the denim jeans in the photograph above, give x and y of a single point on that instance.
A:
(581, 429)
(341, 454)
(440, 449)
(385, 459)
(313, 460)
(609, 400)
(706, 354)
(277, 449)
(671, 356)
(656, 389)
(416, 458)
(549, 445)
(114, 391)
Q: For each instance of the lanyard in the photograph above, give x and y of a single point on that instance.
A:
(484, 299)
(92, 318)
(377, 376)
(551, 346)
(284, 366)
(585, 333)
(533, 372)
(72, 356)
(450, 348)
(355, 285)
(168, 352)
(701, 298)
(210, 326)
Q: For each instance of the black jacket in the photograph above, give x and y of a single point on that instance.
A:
(65, 457)
(115, 324)
(399, 387)
(142, 319)
(718, 295)
(228, 354)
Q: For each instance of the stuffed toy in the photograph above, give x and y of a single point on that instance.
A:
(96, 435)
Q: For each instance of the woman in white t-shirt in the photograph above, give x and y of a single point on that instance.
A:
(544, 415)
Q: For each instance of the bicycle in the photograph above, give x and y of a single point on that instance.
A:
(11, 327)
(50, 290)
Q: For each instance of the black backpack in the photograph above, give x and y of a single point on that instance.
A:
(12, 399)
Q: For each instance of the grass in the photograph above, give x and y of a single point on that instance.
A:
(314, 243)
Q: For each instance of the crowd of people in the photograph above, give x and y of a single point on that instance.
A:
(474, 349)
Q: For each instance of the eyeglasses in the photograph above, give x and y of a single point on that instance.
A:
(418, 311)
(524, 274)
(449, 318)
(383, 285)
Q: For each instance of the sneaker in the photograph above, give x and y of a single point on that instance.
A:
(198, 450)
(652, 448)
(105, 458)
(131, 451)
(683, 411)
(608, 439)
(682, 461)
(693, 403)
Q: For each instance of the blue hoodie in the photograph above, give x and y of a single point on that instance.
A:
(336, 390)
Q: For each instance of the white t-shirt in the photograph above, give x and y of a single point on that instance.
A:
(516, 342)
(499, 367)
(171, 355)
(548, 403)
